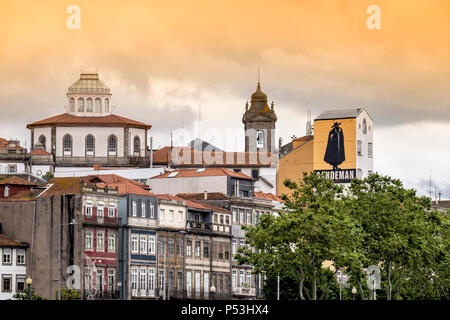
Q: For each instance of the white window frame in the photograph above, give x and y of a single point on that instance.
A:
(151, 244)
(143, 207)
(152, 210)
(88, 235)
(134, 243)
(111, 211)
(102, 234)
(111, 242)
(20, 256)
(134, 280)
(89, 210)
(234, 279)
(370, 149)
(134, 208)
(151, 279)
(142, 244)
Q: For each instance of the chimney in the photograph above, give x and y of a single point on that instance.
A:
(205, 195)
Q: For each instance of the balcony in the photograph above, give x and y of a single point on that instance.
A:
(244, 292)
(199, 226)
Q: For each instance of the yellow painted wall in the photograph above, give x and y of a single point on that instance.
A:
(294, 164)
(321, 130)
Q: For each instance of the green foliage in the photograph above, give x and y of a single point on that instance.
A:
(48, 175)
(375, 222)
(24, 295)
(69, 294)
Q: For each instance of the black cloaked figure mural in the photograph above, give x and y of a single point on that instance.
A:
(335, 153)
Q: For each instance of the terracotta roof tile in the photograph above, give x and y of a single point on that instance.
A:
(207, 172)
(269, 196)
(127, 187)
(39, 151)
(17, 181)
(8, 242)
(66, 118)
(201, 196)
(175, 157)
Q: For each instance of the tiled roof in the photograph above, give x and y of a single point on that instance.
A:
(126, 187)
(207, 172)
(269, 196)
(39, 151)
(4, 144)
(17, 181)
(65, 118)
(202, 159)
(62, 186)
(169, 197)
(114, 178)
(8, 242)
(26, 195)
(201, 196)
(339, 114)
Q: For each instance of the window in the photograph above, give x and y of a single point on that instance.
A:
(134, 211)
(80, 105)
(143, 242)
(152, 210)
(197, 248)
(89, 144)
(241, 243)
(42, 140)
(255, 174)
(6, 283)
(221, 219)
(134, 278)
(12, 168)
(188, 247)
(241, 278)
(72, 104)
(100, 212)
(134, 244)
(256, 217)
(161, 246)
(88, 105)
(6, 192)
(89, 210)
(206, 283)
(241, 216)
(98, 105)
(359, 147)
(151, 279)
(234, 216)
(188, 283)
(143, 206)
(180, 216)
(171, 215)
(67, 144)
(249, 278)
(137, 145)
(369, 149)
(259, 139)
(180, 282)
(20, 283)
(161, 280)
(227, 254)
(234, 247)
(197, 283)
(205, 249)
(364, 126)
(143, 279)
(111, 242)
(227, 219)
(106, 105)
(234, 278)
(151, 244)
(100, 241)
(111, 276)
(161, 214)
(112, 144)
(20, 256)
(111, 211)
(6, 255)
(215, 218)
(170, 248)
(88, 240)
(179, 248)
(359, 173)
(249, 217)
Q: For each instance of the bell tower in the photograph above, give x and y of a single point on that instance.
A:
(259, 123)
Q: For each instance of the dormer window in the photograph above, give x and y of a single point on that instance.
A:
(89, 105)
(98, 105)
(80, 105)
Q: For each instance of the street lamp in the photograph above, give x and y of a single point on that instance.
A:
(354, 292)
(29, 281)
(213, 292)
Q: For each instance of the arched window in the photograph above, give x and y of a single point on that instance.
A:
(72, 105)
(137, 145)
(90, 144)
(112, 145)
(67, 145)
(98, 105)
(364, 128)
(88, 105)
(80, 105)
(259, 139)
(42, 140)
(106, 105)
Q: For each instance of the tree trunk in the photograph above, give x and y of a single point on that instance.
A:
(301, 276)
(389, 291)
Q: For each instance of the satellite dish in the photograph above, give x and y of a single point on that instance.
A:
(373, 277)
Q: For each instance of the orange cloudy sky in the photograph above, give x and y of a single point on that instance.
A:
(162, 59)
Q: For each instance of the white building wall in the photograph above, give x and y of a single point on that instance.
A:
(132, 173)
(269, 174)
(79, 134)
(363, 161)
(47, 132)
(14, 270)
(190, 184)
(166, 220)
(20, 167)
(40, 171)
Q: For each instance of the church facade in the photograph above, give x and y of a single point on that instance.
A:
(89, 133)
